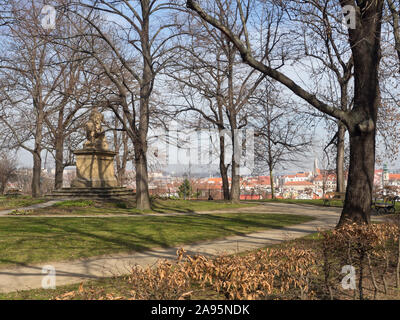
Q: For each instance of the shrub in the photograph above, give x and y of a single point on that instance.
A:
(292, 271)
(369, 248)
(253, 276)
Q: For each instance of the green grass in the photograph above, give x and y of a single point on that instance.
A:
(110, 285)
(26, 240)
(89, 207)
(316, 202)
(119, 286)
(74, 203)
(18, 202)
(163, 206)
(107, 285)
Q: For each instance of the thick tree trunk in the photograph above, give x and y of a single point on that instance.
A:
(223, 168)
(146, 87)
(271, 177)
(340, 179)
(270, 159)
(232, 116)
(59, 158)
(235, 187)
(36, 173)
(2, 187)
(225, 181)
(361, 120)
(36, 153)
(365, 42)
(357, 206)
(142, 183)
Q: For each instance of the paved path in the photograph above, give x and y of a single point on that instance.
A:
(32, 207)
(29, 277)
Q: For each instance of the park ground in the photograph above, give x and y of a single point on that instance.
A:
(82, 234)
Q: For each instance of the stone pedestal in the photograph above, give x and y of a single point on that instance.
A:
(95, 177)
(94, 169)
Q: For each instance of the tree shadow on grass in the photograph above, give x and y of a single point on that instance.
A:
(203, 227)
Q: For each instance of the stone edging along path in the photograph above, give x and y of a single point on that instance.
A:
(67, 272)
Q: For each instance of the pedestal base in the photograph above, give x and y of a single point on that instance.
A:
(95, 178)
(116, 193)
(94, 169)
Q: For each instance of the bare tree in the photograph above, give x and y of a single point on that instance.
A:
(361, 121)
(140, 50)
(281, 131)
(395, 12)
(121, 147)
(30, 82)
(322, 43)
(213, 83)
(8, 168)
(77, 88)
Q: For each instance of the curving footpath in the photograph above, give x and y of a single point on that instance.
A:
(32, 207)
(67, 272)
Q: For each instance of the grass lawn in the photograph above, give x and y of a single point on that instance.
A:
(35, 239)
(316, 202)
(119, 286)
(90, 207)
(113, 285)
(109, 285)
(18, 202)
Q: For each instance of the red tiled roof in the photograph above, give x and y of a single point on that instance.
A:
(301, 174)
(321, 177)
(298, 183)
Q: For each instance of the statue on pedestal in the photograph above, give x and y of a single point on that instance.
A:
(95, 162)
(95, 174)
(96, 137)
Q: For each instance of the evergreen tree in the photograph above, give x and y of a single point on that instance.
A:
(185, 189)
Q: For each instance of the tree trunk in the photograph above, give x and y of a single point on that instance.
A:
(223, 168)
(232, 116)
(142, 184)
(59, 158)
(361, 122)
(357, 205)
(271, 177)
(270, 159)
(124, 161)
(36, 172)
(2, 187)
(146, 87)
(235, 186)
(365, 42)
(340, 180)
(36, 152)
(225, 181)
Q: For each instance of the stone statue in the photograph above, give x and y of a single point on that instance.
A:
(96, 137)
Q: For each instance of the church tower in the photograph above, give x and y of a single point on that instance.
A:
(315, 168)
